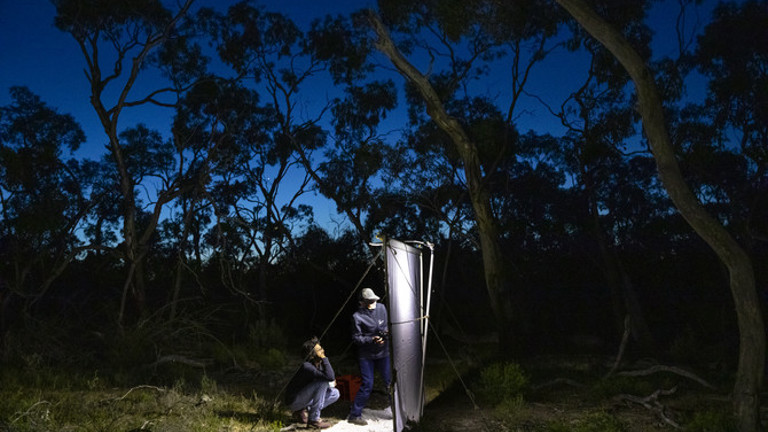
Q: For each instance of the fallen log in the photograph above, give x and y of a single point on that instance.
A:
(652, 403)
(174, 358)
(672, 369)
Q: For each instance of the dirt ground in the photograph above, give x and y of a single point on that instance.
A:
(454, 412)
(557, 404)
(563, 407)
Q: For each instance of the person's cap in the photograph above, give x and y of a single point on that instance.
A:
(367, 294)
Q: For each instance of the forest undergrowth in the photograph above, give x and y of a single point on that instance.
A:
(471, 392)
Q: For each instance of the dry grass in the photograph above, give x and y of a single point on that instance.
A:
(182, 398)
(144, 407)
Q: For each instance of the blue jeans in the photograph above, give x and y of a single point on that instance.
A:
(314, 397)
(367, 368)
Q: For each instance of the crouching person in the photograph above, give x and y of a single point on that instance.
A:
(312, 387)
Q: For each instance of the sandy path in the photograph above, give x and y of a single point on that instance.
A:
(378, 421)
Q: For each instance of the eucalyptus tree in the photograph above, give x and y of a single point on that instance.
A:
(229, 135)
(286, 66)
(369, 145)
(432, 199)
(270, 127)
(205, 149)
(44, 194)
(149, 160)
(614, 202)
(463, 38)
(429, 171)
(749, 377)
(351, 170)
(732, 54)
(121, 41)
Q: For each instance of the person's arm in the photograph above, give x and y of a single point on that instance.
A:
(358, 337)
(329, 375)
(324, 373)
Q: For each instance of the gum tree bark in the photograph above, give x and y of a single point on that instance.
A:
(749, 376)
(496, 280)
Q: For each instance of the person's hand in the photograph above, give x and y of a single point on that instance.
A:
(378, 339)
(319, 351)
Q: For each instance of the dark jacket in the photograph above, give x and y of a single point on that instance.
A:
(367, 323)
(307, 374)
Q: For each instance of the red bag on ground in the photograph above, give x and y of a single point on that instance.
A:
(348, 386)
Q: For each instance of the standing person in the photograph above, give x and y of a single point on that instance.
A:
(312, 387)
(370, 332)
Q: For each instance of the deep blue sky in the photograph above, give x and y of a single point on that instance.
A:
(35, 54)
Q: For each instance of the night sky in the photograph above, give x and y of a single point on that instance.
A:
(34, 53)
(37, 55)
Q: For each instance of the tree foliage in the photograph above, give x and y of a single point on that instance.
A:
(216, 217)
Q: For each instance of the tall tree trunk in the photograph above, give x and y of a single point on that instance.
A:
(189, 209)
(749, 376)
(124, 297)
(88, 39)
(497, 280)
(623, 297)
(177, 279)
(5, 300)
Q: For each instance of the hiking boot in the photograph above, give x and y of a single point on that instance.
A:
(301, 416)
(318, 424)
(357, 421)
